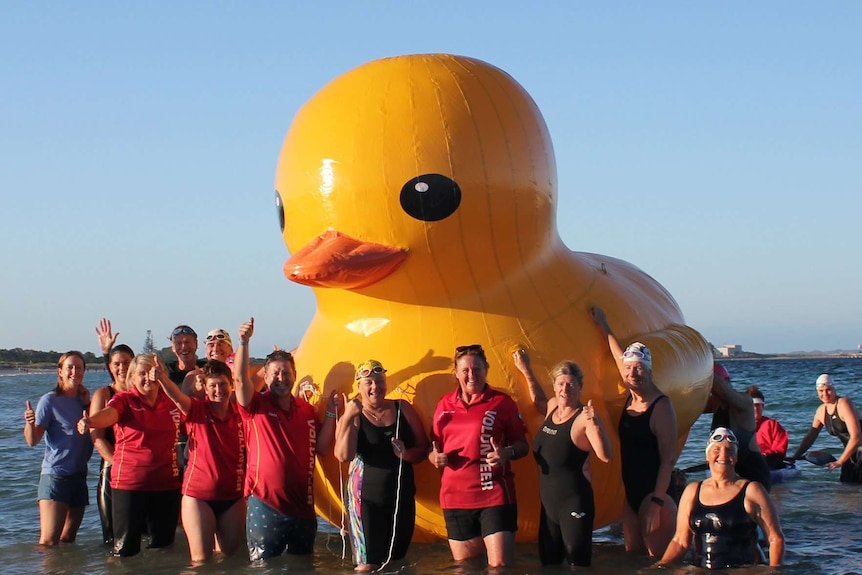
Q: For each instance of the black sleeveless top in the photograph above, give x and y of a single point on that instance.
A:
(724, 535)
(561, 462)
(109, 431)
(837, 426)
(380, 473)
(639, 454)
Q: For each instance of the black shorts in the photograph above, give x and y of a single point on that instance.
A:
(466, 524)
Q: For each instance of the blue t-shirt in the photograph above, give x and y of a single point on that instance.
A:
(66, 451)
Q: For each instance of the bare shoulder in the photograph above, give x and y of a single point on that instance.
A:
(101, 397)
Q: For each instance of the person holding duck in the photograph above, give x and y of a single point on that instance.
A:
(841, 419)
(647, 433)
(562, 447)
(735, 410)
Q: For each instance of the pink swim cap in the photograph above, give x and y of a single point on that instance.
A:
(720, 371)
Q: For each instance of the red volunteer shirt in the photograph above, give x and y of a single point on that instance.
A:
(281, 451)
(464, 433)
(145, 458)
(216, 465)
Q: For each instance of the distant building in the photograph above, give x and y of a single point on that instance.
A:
(730, 350)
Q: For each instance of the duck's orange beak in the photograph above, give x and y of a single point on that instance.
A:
(335, 260)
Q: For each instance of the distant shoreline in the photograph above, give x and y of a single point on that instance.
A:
(785, 356)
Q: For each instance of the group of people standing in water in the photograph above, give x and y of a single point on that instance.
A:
(230, 449)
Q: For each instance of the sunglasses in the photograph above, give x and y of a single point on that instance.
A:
(468, 348)
(719, 437)
(635, 353)
(218, 336)
(368, 372)
(183, 330)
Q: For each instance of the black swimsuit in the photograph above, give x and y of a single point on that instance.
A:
(568, 508)
(724, 534)
(639, 454)
(851, 471)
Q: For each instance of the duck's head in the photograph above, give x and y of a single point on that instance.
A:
(435, 171)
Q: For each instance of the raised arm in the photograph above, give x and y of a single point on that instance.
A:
(107, 339)
(738, 402)
(601, 322)
(347, 430)
(182, 401)
(326, 437)
(537, 394)
(594, 431)
(244, 389)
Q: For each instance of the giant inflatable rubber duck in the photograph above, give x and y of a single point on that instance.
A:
(417, 196)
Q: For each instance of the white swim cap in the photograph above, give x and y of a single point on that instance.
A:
(825, 380)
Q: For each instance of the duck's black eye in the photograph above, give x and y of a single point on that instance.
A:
(279, 207)
(430, 197)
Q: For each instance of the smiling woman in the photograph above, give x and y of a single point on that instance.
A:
(721, 514)
(145, 478)
(63, 480)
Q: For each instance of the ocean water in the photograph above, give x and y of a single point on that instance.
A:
(821, 518)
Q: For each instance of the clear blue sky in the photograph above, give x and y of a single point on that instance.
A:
(717, 146)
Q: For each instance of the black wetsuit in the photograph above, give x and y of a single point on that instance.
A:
(750, 464)
(103, 488)
(639, 454)
(374, 481)
(724, 535)
(568, 509)
(851, 471)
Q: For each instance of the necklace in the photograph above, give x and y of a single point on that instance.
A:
(375, 415)
(560, 418)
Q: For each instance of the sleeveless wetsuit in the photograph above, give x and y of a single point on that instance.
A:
(851, 471)
(724, 535)
(639, 454)
(751, 465)
(373, 485)
(104, 498)
(568, 509)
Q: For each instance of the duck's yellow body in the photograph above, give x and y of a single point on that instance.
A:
(419, 201)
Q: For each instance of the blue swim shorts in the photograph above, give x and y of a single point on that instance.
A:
(68, 489)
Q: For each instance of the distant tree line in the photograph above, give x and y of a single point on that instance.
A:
(31, 358)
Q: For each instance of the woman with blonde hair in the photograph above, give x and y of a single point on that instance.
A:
(562, 447)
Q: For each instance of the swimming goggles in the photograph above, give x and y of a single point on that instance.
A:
(368, 372)
(635, 353)
(722, 434)
(217, 336)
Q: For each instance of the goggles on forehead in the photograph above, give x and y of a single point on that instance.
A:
(183, 330)
(635, 353)
(217, 336)
(368, 372)
(719, 436)
(468, 348)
